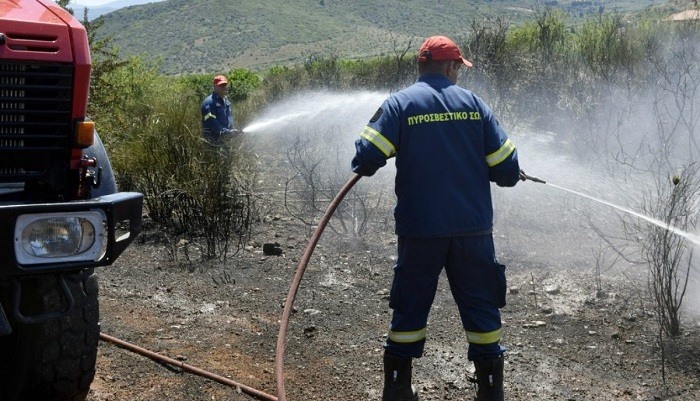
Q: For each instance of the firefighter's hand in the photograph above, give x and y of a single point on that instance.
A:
(523, 176)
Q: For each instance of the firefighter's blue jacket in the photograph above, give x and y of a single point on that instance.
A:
(217, 117)
(448, 146)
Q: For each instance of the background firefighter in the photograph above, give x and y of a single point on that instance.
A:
(217, 114)
(448, 147)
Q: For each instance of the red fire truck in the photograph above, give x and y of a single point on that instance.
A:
(61, 214)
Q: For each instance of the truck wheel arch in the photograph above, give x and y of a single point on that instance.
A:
(108, 183)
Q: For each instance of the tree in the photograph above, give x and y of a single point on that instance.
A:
(64, 4)
(105, 60)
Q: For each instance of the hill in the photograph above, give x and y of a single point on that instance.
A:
(216, 35)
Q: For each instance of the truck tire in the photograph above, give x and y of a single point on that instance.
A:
(53, 360)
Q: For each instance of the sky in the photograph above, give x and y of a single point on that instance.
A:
(98, 3)
(90, 3)
(99, 7)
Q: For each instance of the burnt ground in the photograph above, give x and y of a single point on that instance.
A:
(571, 333)
(564, 342)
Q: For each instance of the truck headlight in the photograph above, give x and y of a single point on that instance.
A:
(59, 237)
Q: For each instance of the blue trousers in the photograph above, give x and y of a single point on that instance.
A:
(477, 282)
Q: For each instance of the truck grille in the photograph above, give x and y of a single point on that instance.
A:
(35, 119)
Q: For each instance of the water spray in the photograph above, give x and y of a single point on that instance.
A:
(666, 226)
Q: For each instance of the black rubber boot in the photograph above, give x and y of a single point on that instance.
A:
(397, 379)
(489, 379)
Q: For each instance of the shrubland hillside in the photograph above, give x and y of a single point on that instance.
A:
(190, 36)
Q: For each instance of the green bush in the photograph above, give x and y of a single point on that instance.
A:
(242, 83)
(153, 132)
(607, 48)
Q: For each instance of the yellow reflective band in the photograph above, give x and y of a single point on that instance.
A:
(208, 116)
(501, 154)
(483, 338)
(378, 140)
(407, 336)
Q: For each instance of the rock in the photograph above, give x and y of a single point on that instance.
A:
(537, 323)
(552, 289)
(310, 331)
(383, 292)
(272, 249)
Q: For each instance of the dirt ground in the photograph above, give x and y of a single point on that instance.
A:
(564, 342)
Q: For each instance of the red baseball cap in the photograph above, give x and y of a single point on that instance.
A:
(440, 48)
(220, 80)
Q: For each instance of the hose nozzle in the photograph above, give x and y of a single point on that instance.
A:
(524, 177)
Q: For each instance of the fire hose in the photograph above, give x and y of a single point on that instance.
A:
(284, 323)
(187, 368)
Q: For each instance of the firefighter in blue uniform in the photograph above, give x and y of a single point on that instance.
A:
(217, 116)
(448, 147)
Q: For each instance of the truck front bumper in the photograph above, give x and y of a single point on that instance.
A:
(115, 220)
